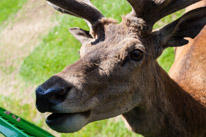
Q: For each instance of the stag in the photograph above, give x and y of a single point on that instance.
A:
(117, 73)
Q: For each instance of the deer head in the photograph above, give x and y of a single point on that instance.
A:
(117, 68)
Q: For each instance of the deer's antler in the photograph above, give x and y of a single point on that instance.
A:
(153, 10)
(79, 8)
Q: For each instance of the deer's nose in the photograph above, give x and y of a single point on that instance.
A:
(45, 99)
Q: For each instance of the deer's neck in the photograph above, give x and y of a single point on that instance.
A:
(169, 111)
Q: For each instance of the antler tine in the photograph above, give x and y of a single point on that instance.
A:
(80, 8)
(140, 6)
(153, 10)
(60, 9)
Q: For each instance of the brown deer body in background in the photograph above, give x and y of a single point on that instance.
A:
(118, 73)
(189, 67)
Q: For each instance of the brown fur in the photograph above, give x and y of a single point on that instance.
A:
(110, 79)
(174, 112)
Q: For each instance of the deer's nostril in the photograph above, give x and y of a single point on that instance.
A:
(39, 90)
(55, 95)
(59, 95)
(45, 99)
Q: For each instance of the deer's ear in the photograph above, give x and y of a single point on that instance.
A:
(82, 35)
(189, 25)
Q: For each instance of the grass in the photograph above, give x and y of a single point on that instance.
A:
(56, 50)
(59, 49)
(9, 8)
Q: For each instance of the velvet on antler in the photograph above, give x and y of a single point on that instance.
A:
(153, 10)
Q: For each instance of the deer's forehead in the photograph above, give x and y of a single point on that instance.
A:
(117, 40)
(105, 50)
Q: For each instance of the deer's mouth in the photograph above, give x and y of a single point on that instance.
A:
(67, 122)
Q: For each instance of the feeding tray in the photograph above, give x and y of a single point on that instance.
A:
(14, 126)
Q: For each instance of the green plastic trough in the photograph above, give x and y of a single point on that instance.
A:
(14, 126)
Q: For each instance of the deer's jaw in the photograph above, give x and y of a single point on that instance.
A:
(67, 122)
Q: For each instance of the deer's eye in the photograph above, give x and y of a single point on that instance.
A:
(137, 55)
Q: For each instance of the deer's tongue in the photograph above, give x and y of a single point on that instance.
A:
(67, 122)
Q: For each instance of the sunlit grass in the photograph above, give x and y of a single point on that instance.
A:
(8, 8)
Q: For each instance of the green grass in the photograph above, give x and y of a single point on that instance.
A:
(8, 8)
(55, 51)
